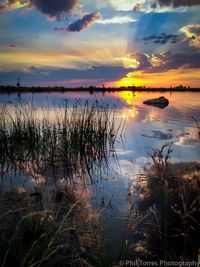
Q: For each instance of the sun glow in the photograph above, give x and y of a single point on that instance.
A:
(131, 79)
(172, 78)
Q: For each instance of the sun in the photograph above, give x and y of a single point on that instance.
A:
(131, 79)
(125, 82)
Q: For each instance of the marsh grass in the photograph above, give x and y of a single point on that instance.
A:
(197, 125)
(172, 198)
(64, 236)
(70, 144)
(76, 141)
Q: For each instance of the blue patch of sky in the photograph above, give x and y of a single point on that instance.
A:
(157, 23)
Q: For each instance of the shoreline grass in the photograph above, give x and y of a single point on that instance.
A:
(77, 141)
(73, 144)
(171, 202)
(63, 236)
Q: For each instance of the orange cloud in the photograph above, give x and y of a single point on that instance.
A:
(187, 77)
(10, 5)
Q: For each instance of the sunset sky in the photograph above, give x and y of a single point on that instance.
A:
(100, 42)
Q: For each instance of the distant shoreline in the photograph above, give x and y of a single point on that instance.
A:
(91, 89)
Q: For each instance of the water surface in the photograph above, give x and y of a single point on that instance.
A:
(144, 127)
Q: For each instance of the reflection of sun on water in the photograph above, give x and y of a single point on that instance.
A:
(128, 113)
(135, 100)
(152, 115)
(129, 98)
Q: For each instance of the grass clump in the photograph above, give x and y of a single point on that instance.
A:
(171, 198)
(77, 140)
(32, 242)
(68, 144)
(63, 236)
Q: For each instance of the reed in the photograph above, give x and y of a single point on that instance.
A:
(70, 142)
(46, 238)
(197, 125)
(172, 198)
(77, 141)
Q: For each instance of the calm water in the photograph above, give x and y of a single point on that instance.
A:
(144, 127)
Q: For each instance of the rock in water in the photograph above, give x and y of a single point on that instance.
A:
(160, 102)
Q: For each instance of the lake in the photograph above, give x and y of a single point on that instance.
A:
(142, 129)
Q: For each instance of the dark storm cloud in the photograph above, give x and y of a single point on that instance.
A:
(171, 61)
(178, 3)
(41, 74)
(143, 60)
(166, 61)
(80, 24)
(84, 22)
(162, 38)
(51, 8)
(54, 8)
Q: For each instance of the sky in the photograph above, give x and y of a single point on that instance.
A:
(80, 43)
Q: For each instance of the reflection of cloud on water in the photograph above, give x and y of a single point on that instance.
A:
(189, 138)
(122, 151)
(130, 168)
(141, 161)
(159, 135)
(126, 167)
